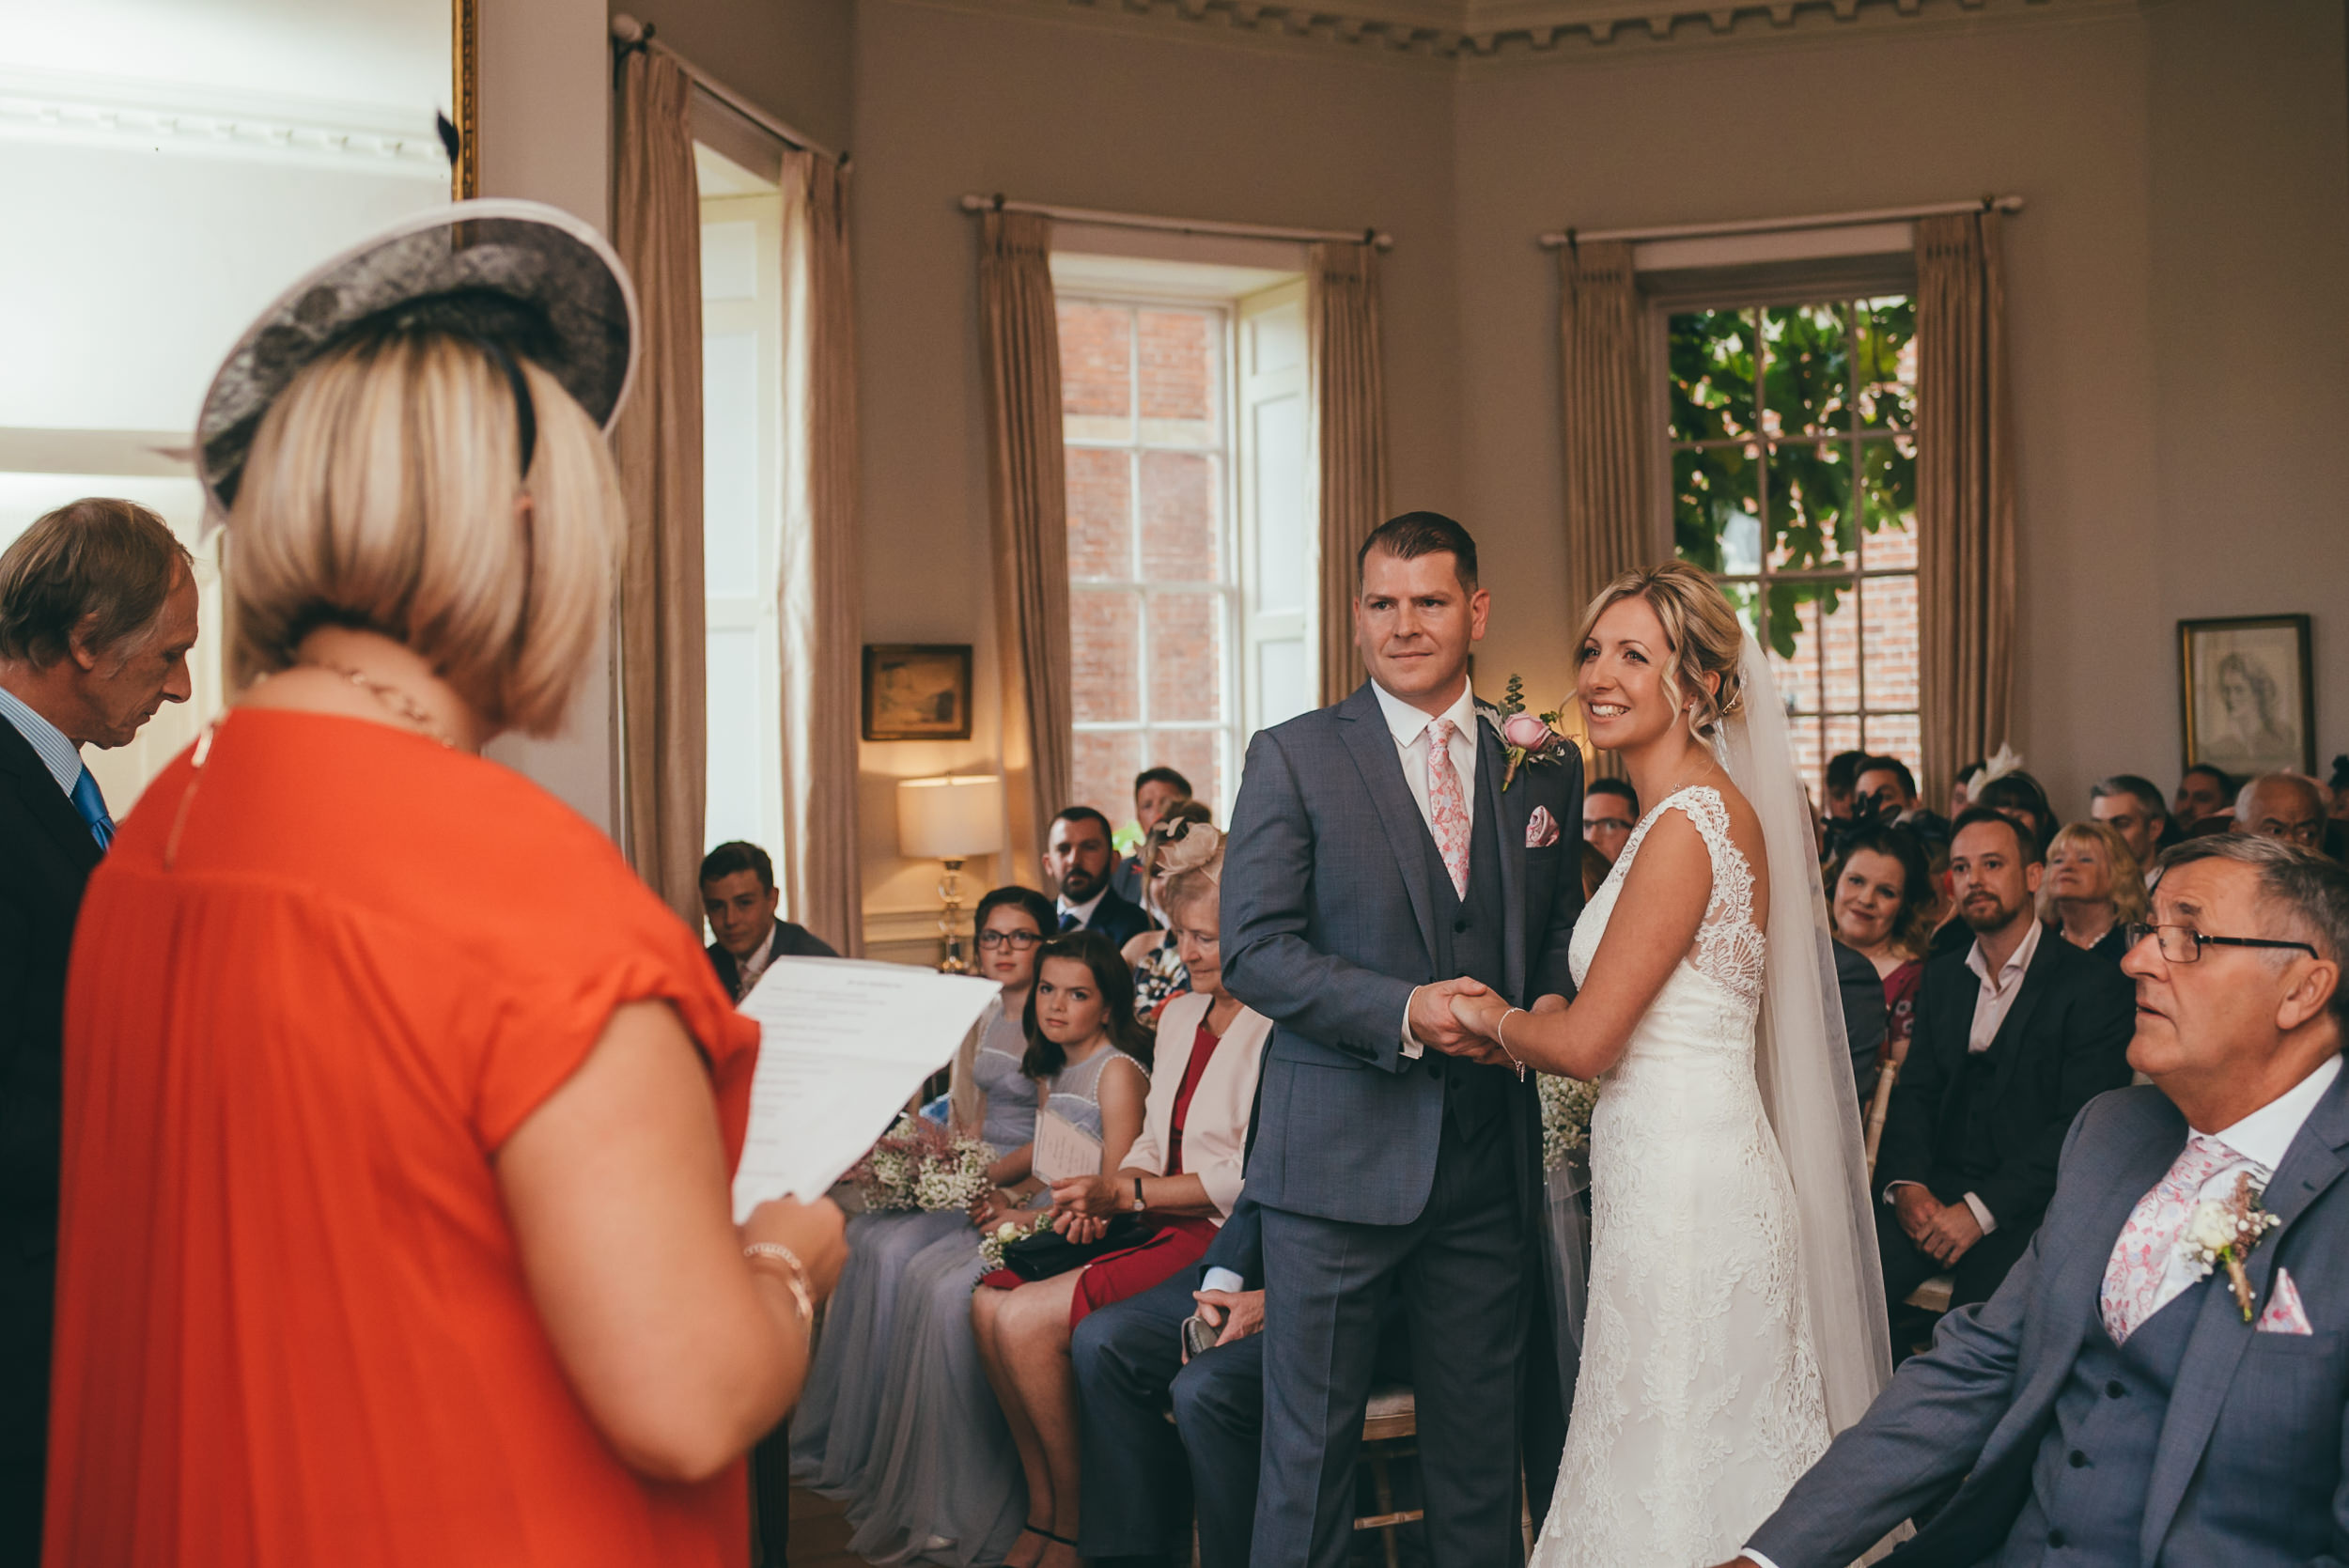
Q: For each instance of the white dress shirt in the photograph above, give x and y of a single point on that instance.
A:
(58, 755)
(1992, 1003)
(747, 971)
(2262, 1137)
(1410, 726)
(1084, 913)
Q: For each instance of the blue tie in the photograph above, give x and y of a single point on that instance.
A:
(92, 805)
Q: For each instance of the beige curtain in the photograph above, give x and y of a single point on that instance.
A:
(819, 588)
(1965, 495)
(1028, 504)
(1350, 438)
(1601, 360)
(656, 229)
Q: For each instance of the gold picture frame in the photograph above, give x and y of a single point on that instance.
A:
(464, 174)
(917, 690)
(2247, 694)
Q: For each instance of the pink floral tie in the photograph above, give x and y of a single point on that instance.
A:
(1447, 804)
(2141, 1261)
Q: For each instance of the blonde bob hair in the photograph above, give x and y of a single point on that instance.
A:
(383, 492)
(2129, 900)
(1701, 629)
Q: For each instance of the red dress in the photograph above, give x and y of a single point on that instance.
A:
(292, 1328)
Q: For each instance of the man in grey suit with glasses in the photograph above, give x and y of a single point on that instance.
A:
(1381, 860)
(2124, 1398)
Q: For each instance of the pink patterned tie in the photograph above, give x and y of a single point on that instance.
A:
(2141, 1260)
(1447, 804)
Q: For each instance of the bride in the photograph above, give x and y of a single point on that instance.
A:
(1736, 1315)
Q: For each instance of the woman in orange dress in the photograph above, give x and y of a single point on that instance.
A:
(399, 1115)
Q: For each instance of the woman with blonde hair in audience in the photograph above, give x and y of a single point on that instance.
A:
(400, 1113)
(2094, 888)
(991, 1099)
(1180, 1178)
(944, 1482)
(1157, 966)
(1880, 898)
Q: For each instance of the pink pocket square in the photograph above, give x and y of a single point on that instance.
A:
(2284, 1315)
(1541, 829)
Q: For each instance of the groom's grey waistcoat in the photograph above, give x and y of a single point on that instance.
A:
(1336, 907)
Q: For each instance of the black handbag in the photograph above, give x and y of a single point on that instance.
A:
(1044, 1255)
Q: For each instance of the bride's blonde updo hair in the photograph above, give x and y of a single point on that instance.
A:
(1703, 632)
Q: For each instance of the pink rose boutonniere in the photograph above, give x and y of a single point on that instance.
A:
(1537, 739)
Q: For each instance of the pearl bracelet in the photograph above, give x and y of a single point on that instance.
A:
(797, 1278)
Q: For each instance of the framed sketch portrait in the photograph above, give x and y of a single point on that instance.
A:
(2244, 688)
(917, 692)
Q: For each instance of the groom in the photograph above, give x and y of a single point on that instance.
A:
(2111, 1404)
(1379, 864)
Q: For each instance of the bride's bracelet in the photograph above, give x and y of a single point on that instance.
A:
(1501, 1039)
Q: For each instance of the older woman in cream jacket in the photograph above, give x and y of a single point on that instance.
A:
(1182, 1176)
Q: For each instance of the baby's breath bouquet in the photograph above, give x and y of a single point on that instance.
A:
(991, 1243)
(1566, 1106)
(918, 1164)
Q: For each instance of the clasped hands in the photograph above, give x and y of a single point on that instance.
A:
(1462, 1017)
(1942, 1231)
(1082, 1206)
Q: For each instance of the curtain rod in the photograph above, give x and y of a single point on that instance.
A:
(1563, 237)
(628, 33)
(1174, 226)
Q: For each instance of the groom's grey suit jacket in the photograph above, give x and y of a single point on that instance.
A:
(1328, 927)
(2244, 1464)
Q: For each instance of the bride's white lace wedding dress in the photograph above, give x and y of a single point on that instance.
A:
(1699, 1400)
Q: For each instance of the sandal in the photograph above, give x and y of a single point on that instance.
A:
(1026, 1529)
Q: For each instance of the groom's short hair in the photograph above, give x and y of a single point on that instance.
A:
(1415, 534)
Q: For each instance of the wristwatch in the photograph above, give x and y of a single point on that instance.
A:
(1137, 1204)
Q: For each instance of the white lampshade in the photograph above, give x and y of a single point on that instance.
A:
(950, 819)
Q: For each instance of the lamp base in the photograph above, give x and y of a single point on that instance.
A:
(950, 920)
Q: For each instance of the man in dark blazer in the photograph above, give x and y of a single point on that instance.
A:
(2117, 1404)
(739, 895)
(1379, 863)
(98, 610)
(2014, 1034)
(1078, 859)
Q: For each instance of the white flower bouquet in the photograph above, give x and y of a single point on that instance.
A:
(918, 1164)
(1566, 1107)
(991, 1243)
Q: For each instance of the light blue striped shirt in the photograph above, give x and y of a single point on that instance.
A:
(60, 755)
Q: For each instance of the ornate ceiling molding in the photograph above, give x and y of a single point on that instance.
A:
(1473, 29)
(42, 106)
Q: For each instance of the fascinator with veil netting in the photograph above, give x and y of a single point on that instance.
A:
(1802, 1061)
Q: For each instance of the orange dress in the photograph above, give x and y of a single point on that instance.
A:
(292, 1328)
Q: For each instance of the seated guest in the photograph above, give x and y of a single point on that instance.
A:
(2115, 1402)
(1154, 956)
(1181, 1176)
(1961, 788)
(1881, 906)
(2289, 806)
(1130, 1364)
(990, 1099)
(2012, 1038)
(402, 1113)
(1843, 778)
(1887, 792)
(944, 1482)
(2132, 807)
(1077, 861)
(98, 611)
(2337, 813)
(2093, 888)
(1611, 809)
(739, 895)
(2019, 798)
(2203, 792)
(1155, 790)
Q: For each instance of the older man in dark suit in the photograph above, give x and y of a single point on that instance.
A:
(2014, 1034)
(98, 611)
(1380, 861)
(2122, 1401)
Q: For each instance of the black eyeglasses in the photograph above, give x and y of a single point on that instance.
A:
(1017, 940)
(2183, 944)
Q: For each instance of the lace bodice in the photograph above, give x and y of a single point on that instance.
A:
(1730, 948)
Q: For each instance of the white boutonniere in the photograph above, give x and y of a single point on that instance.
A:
(1526, 737)
(2225, 1232)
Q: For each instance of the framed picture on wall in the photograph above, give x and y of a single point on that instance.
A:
(917, 690)
(2245, 693)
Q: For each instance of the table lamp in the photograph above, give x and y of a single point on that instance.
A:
(950, 819)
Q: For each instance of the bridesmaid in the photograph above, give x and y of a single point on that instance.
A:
(991, 1099)
(944, 1482)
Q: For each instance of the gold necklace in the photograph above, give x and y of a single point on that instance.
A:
(391, 696)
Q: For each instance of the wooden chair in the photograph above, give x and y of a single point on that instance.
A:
(1390, 1422)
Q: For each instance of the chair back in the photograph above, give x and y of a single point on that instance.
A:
(1878, 1103)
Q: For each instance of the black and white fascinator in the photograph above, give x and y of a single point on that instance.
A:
(523, 279)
